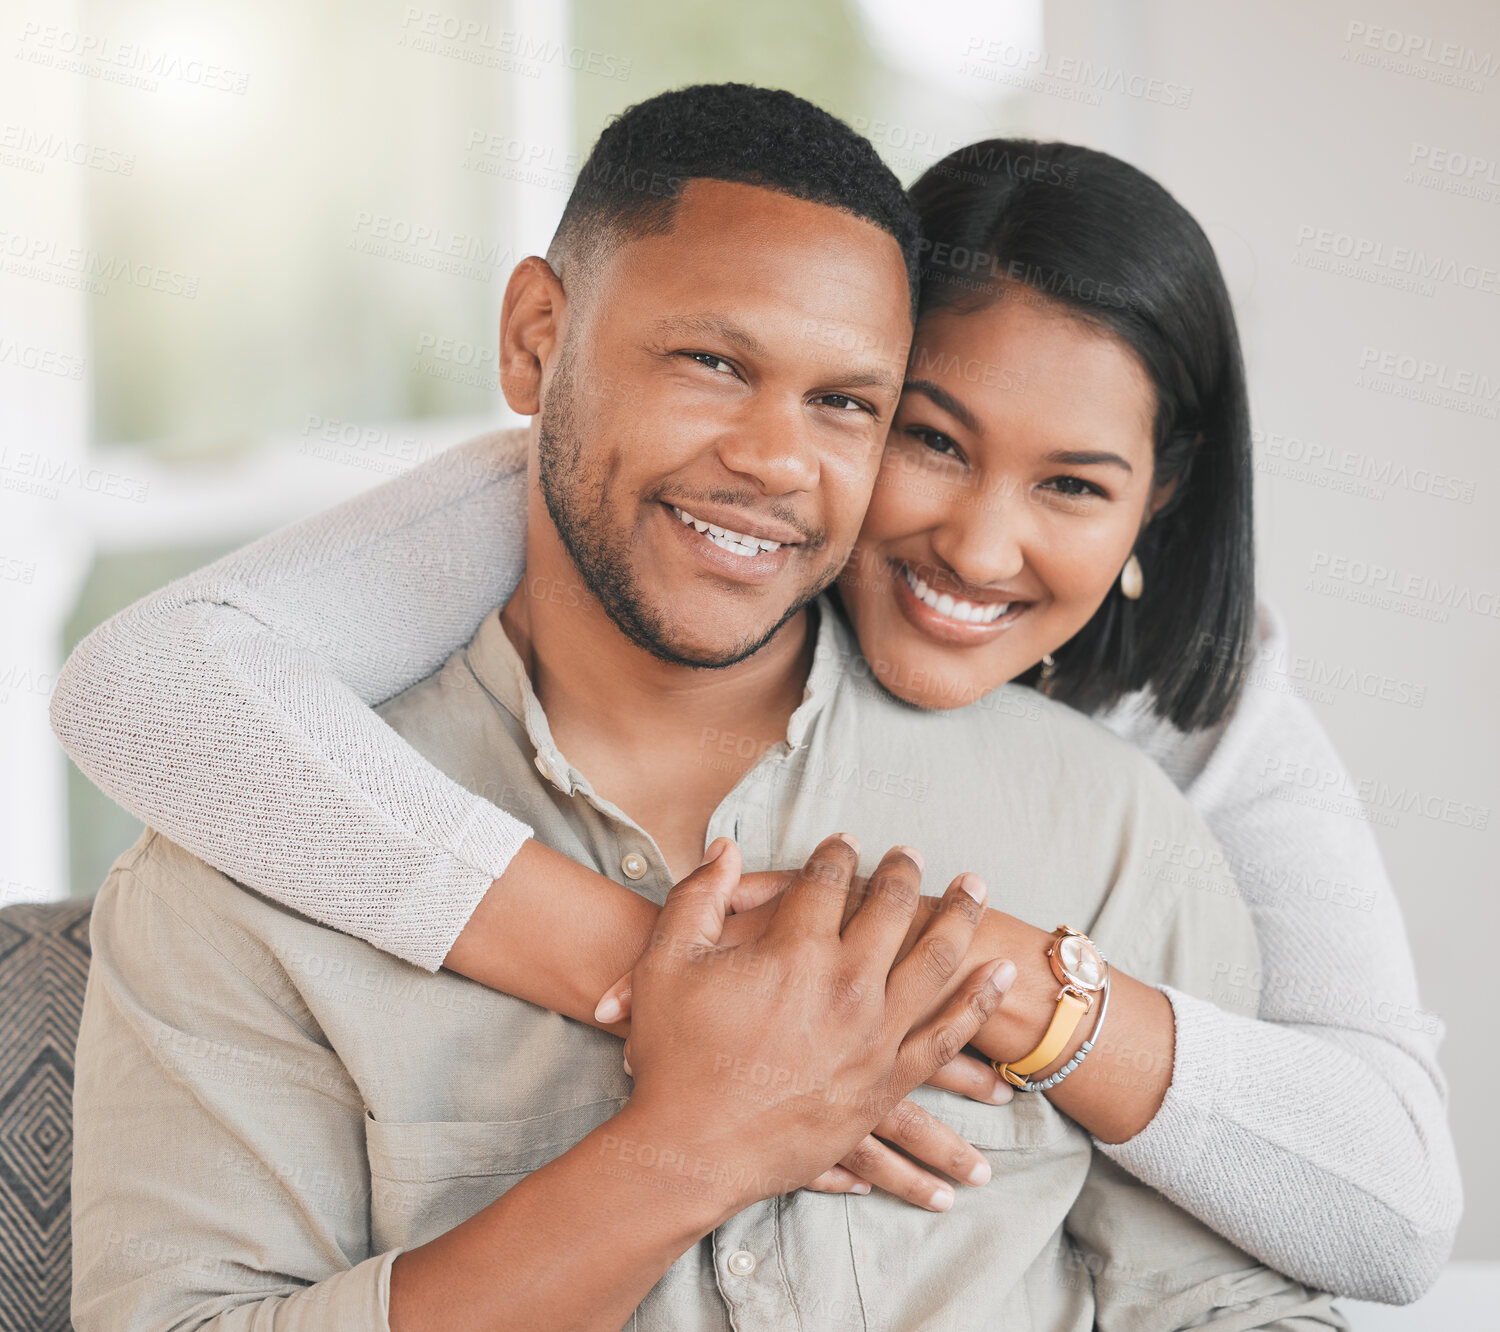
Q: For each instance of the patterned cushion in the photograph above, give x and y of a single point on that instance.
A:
(44, 961)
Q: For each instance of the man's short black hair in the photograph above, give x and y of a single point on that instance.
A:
(630, 185)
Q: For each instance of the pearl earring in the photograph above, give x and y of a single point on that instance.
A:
(1132, 581)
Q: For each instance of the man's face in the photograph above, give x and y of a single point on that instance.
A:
(713, 425)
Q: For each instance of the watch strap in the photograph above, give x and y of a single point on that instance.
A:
(1065, 1019)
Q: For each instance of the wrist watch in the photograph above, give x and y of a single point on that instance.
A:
(1083, 973)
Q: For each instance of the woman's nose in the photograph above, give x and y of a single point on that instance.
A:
(983, 539)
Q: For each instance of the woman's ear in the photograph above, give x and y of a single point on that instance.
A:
(1159, 498)
(1161, 495)
(532, 326)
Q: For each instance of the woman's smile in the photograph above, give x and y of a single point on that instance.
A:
(953, 614)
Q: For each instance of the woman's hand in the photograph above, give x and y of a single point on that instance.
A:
(916, 1132)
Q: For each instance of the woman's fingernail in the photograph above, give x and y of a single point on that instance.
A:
(716, 848)
(913, 855)
(941, 1200)
(609, 1009)
(980, 1174)
(1003, 976)
(975, 887)
(852, 840)
(628, 1072)
(1001, 1093)
(861, 1188)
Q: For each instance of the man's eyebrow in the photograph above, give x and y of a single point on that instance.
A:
(868, 379)
(1089, 458)
(942, 398)
(710, 325)
(716, 326)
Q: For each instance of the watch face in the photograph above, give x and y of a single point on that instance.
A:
(1081, 961)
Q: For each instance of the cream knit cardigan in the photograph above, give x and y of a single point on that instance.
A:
(231, 710)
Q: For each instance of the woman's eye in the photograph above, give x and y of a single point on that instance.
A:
(1073, 485)
(938, 443)
(711, 361)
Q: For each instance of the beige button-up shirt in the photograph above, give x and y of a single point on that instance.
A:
(267, 1111)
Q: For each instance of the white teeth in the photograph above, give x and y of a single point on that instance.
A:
(737, 543)
(966, 612)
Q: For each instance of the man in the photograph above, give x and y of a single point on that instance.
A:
(280, 1127)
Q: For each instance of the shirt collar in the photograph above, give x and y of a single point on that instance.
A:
(498, 667)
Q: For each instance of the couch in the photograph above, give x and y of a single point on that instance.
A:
(44, 963)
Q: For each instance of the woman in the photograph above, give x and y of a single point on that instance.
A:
(1065, 502)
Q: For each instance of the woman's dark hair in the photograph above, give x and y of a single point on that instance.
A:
(1105, 242)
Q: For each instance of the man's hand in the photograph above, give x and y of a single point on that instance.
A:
(923, 1139)
(773, 1058)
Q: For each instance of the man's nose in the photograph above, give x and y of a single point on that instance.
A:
(771, 445)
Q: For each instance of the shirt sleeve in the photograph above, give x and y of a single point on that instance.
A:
(219, 1173)
(1154, 1268)
(232, 709)
(1178, 918)
(1313, 1134)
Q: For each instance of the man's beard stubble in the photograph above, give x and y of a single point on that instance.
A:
(575, 496)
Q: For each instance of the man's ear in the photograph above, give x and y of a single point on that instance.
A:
(532, 325)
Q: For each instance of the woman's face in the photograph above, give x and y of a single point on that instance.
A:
(1016, 478)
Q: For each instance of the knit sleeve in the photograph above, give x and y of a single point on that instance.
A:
(232, 709)
(1314, 1136)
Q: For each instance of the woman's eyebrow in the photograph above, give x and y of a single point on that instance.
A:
(942, 398)
(1089, 458)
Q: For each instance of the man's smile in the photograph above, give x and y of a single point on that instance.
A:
(736, 543)
(754, 558)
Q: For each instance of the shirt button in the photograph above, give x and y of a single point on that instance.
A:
(742, 1262)
(635, 865)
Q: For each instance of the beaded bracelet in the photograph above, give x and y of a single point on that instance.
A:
(1083, 1051)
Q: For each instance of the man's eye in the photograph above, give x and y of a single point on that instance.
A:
(712, 362)
(844, 403)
